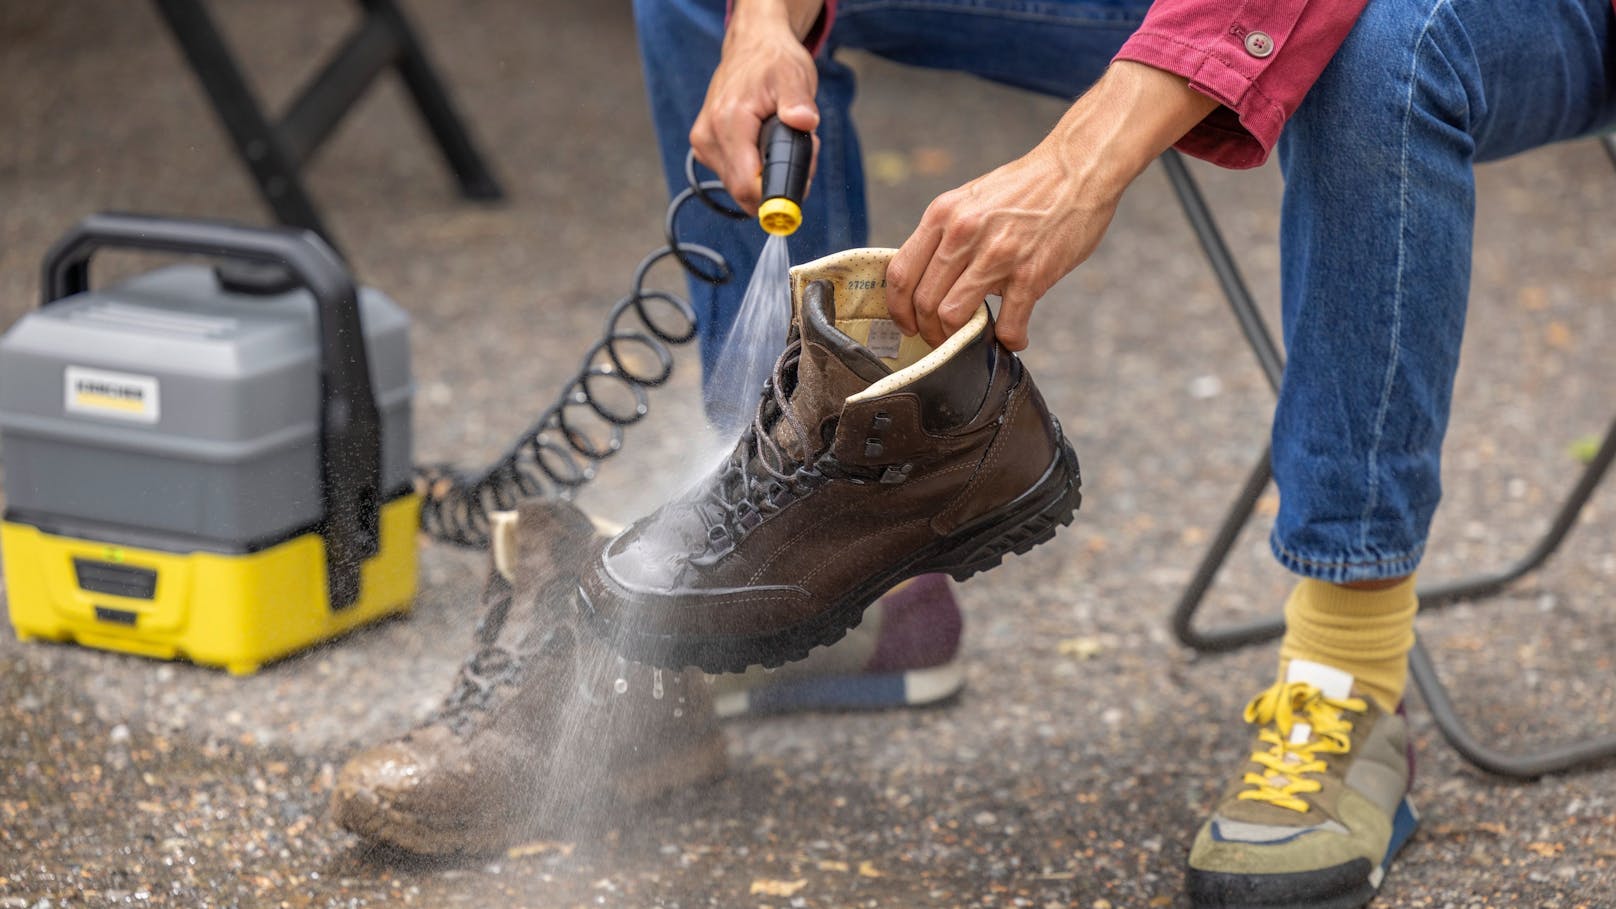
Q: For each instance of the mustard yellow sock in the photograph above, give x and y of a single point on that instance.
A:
(1367, 633)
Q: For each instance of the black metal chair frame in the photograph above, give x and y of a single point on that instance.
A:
(275, 152)
(1530, 765)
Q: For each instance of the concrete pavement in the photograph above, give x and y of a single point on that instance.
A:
(1066, 776)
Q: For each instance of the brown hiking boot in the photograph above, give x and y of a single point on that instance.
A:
(545, 729)
(873, 458)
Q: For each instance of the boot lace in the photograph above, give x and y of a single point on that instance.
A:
(1284, 708)
(761, 476)
(493, 665)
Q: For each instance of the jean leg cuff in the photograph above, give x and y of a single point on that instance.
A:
(1338, 568)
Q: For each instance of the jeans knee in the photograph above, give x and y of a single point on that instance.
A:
(1403, 59)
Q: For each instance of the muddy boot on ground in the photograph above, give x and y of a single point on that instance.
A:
(544, 731)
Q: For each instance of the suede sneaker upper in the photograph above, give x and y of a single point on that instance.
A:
(873, 458)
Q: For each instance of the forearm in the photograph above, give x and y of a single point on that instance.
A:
(797, 15)
(1131, 115)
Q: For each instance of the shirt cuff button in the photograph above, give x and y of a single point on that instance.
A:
(1258, 44)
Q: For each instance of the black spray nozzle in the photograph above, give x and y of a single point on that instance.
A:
(787, 154)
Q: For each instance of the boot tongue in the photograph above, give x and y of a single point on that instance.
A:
(538, 551)
(1330, 681)
(819, 327)
(832, 368)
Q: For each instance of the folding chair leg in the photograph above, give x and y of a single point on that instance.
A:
(436, 109)
(1486, 585)
(1553, 759)
(1245, 310)
(275, 152)
(257, 141)
(1549, 760)
(1272, 361)
(1230, 637)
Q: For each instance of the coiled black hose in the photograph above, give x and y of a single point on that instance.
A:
(555, 456)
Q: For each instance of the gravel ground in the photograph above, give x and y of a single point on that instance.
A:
(1078, 763)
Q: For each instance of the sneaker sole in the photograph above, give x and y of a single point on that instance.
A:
(1016, 527)
(1348, 886)
(870, 691)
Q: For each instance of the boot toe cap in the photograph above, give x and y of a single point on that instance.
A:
(399, 794)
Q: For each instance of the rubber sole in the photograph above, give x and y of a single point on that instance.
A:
(1014, 528)
(1351, 885)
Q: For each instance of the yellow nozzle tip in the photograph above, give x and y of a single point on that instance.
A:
(780, 216)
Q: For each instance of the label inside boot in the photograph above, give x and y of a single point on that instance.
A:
(885, 339)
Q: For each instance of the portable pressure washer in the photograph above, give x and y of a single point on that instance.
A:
(213, 463)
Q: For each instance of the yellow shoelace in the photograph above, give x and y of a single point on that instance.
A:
(1282, 708)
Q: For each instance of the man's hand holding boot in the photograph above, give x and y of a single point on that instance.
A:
(1017, 230)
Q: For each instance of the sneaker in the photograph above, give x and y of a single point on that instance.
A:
(1322, 808)
(904, 654)
(544, 729)
(873, 458)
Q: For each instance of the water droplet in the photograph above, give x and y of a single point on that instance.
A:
(620, 686)
(656, 684)
(678, 711)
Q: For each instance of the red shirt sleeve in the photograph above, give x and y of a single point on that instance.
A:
(816, 35)
(1258, 58)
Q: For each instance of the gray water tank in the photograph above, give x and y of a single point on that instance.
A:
(172, 412)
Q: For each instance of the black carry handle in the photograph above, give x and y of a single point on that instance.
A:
(350, 424)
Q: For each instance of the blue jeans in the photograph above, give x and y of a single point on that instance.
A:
(1377, 220)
